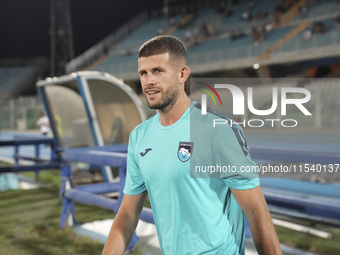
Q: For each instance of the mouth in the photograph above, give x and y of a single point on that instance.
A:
(152, 92)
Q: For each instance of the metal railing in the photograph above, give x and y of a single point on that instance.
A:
(21, 113)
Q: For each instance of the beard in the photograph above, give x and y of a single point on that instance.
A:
(168, 98)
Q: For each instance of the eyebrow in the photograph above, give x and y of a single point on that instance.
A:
(158, 68)
(141, 71)
(153, 69)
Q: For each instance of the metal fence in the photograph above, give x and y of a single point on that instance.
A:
(21, 113)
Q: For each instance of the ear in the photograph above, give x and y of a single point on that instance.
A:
(184, 73)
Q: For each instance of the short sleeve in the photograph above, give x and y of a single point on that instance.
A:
(232, 152)
(134, 183)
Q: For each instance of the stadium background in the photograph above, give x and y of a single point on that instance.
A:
(107, 34)
(230, 38)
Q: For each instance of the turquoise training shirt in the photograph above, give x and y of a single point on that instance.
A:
(193, 208)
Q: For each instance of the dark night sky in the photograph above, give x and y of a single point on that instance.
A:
(24, 24)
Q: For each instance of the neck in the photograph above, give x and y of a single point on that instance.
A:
(174, 112)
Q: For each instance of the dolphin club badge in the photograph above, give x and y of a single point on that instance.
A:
(185, 150)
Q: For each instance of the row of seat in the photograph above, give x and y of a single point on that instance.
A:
(221, 47)
(10, 77)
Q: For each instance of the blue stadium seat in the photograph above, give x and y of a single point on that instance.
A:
(11, 77)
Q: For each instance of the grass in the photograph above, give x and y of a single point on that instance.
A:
(51, 176)
(308, 242)
(29, 224)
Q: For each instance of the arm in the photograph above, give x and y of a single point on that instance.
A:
(124, 224)
(255, 207)
(38, 122)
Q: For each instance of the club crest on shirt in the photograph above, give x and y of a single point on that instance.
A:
(185, 151)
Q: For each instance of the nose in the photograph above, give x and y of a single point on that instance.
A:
(149, 80)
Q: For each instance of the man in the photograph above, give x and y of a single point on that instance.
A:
(44, 124)
(192, 215)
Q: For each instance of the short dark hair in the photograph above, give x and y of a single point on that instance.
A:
(164, 44)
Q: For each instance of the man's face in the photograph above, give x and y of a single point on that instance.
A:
(159, 80)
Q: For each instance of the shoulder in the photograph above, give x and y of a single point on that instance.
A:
(212, 119)
(145, 126)
(218, 127)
